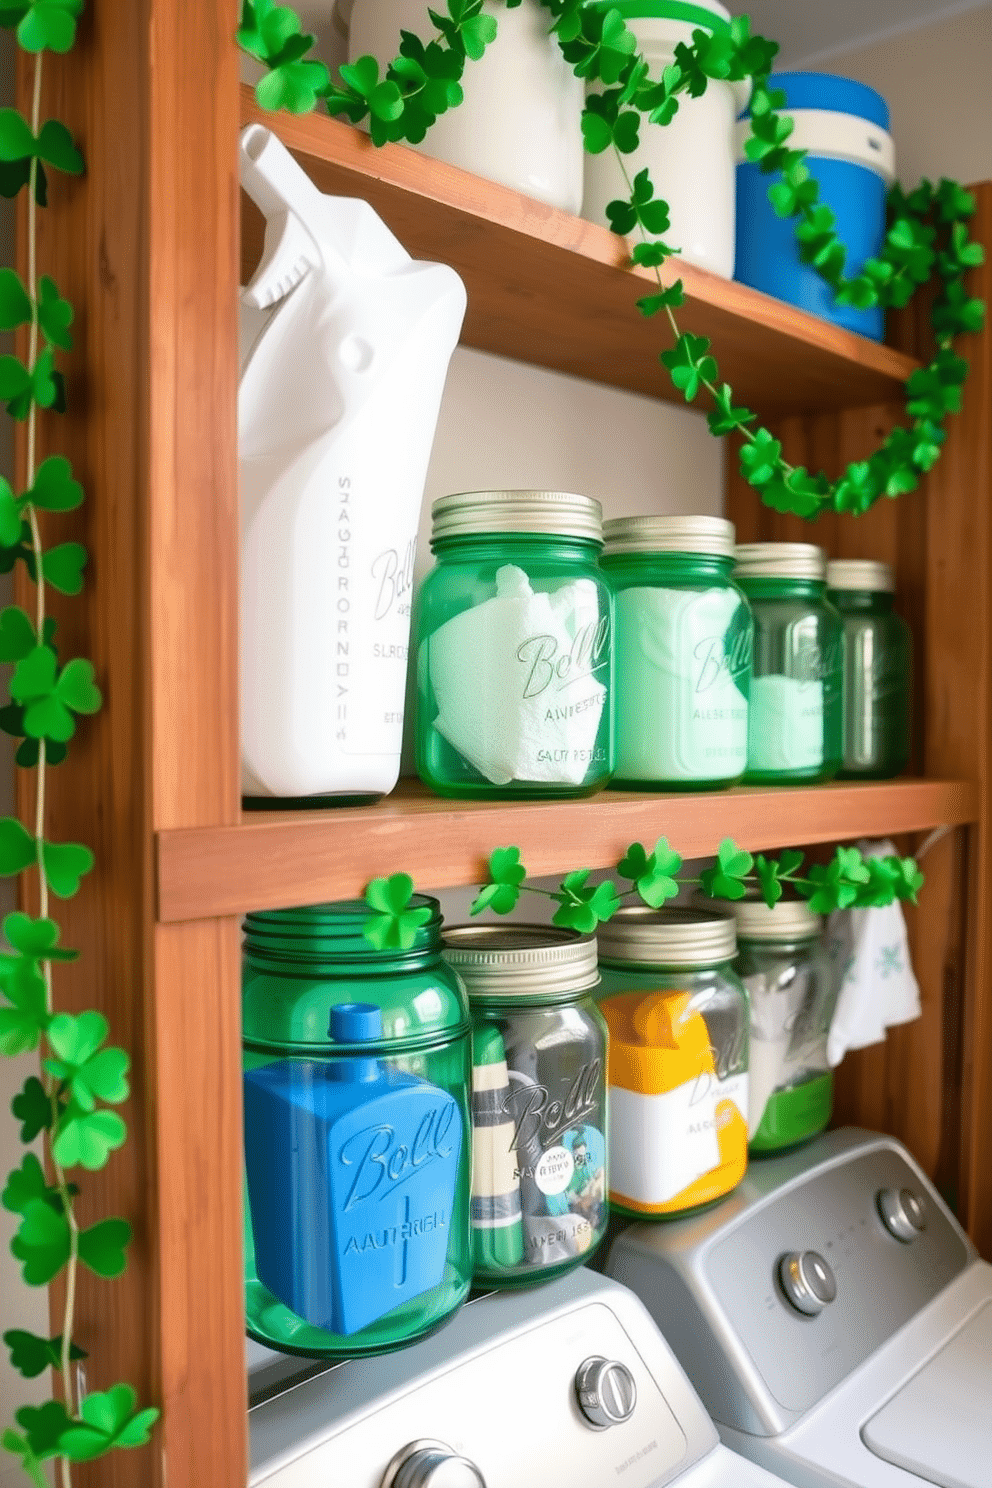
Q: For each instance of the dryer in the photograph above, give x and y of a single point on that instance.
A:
(569, 1383)
(834, 1317)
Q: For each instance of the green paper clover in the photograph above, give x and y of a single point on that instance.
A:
(42, 1427)
(653, 875)
(64, 864)
(86, 1138)
(102, 1247)
(63, 567)
(582, 907)
(108, 1420)
(506, 873)
(33, 1108)
(18, 849)
(42, 1243)
(690, 366)
(55, 315)
(49, 25)
(36, 938)
(54, 488)
(91, 1072)
(726, 879)
(394, 926)
(31, 1355)
(22, 1024)
(51, 695)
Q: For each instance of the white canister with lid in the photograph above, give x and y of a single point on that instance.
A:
(692, 160)
(520, 120)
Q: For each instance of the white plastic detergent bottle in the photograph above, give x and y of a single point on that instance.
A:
(345, 345)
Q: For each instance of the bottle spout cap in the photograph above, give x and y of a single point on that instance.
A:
(356, 1023)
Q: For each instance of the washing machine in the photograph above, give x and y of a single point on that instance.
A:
(834, 1317)
(565, 1384)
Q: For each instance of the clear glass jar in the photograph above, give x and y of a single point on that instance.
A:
(357, 1067)
(520, 119)
(783, 963)
(878, 662)
(682, 653)
(538, 1099)
(677, 1015)
(795, 723)
(515, 648)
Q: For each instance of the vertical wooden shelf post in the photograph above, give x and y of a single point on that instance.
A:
(146, 247)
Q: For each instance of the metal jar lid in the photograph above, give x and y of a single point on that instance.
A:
(668, 937)
(525, 961)
(791, 919)
(861, 573)
(669, 534)
(558, 513)
(780, 561)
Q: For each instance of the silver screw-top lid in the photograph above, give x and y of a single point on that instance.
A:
(559, 513)
(780, 561)
(669, 534)
(520, 960)
(668, 937)
(791, 919)
(860, 573)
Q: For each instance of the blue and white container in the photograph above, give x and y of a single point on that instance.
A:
(844, 125)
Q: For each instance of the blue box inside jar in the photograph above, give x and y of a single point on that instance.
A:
(843, 125)
(351, 1167)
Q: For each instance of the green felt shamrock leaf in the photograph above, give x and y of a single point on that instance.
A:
(689, 364)
(109, 1420)
(86, 1138)
(102, 1247)
(653, 874)
(92, 1073)
(664, 299)
(506, 873)
(33, 1108)
(21, 386)
(725, 879)
(768, 879)
(15, 303)
(394, 925)
(383, 99)
(31, 1355)
(18, 849)
(55, 146)
(54, 488)
(26, 1019)
(266, 28)
(42, 1242)
(10, 515)
(16, 139)
(650, 255)
(51, 696)
(64, 864)
(725, 418)
(25, 1184)
(49, 25)
(465, 27)
(836, 884)
(55, 315)
(63, 567)
(293, 85)
(42, 1426)
(18, 636)
(36, 938)
(581, 906)
(760, 458)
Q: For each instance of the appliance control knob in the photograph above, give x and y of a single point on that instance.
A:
(903, 1213)
(431, 1464)
(807, 1281)
(605, 1391)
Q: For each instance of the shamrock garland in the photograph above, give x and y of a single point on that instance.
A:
(82, 1076)
(926, 234)
(848, 881)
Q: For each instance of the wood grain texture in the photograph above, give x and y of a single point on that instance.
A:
(276, 859)
(145, 246)
(546, 287)
(931, 1082)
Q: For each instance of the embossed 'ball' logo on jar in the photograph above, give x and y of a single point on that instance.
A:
(546, 664)
(383, 1161)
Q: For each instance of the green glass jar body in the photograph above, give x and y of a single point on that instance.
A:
(791, 987)
(514, 654)
(539, 1115)
(795, 719)
(683, 642)
(677, 1064)
(357, 1133)
(878, 656)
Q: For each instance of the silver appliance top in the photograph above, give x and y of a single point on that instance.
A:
(569, 1382)
(817, 1259)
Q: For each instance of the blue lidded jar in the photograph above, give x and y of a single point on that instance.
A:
(357, 1133)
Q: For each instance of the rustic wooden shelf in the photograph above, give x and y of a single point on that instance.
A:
(548, 288)
(274, 859)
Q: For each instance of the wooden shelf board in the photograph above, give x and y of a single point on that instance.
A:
(273, 860)
(549, 288)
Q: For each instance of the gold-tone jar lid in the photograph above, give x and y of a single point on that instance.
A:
(780, 561)
(790, 919)
(668, 937)
(520, 960)
(669, 534)
(861, 573)
(557, 513)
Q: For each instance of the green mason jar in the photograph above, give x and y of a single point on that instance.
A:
(782, 962)
(539, 1204)
(357, 1067)
(683, 638)
(514, 648)
(878, 659)
(795, 719)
